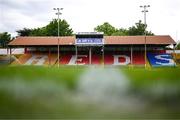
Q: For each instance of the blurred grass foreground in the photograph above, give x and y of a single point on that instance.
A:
(89, 92)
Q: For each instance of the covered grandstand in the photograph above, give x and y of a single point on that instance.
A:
(95, 48)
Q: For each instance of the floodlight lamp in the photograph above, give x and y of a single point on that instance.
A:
(58, 13)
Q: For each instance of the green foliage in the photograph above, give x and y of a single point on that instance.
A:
(178, 46)
(139, 29)
(38, 32)
(121, 32)
(108, 29)
(4, 39)
(64, 30)
(24, 32)
(49, 30)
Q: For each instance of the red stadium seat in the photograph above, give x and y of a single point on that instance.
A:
(108, 59)
(64, 59)
(96, 59)
(138, 58)
(83, 59)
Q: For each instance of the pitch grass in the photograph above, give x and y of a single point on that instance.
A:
(48, 92)
(67, 75)
(169, 75)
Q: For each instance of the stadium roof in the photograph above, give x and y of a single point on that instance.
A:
(108, 40)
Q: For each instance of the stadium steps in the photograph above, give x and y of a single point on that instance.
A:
(51, 60)
(108, 59)
(96, 59)
(22, 59)
(64, 59)
(138, 59)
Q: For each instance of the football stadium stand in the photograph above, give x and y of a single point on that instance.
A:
(155, 59)
(94, 48)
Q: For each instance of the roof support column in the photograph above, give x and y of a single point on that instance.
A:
(131, 54)
(103, 54)
(49, 50)
(76, 52)
(174, 56)
(90, 55)
(10, 56)
(25, 50)
(58, 48)
(7, 51)
(145, 52)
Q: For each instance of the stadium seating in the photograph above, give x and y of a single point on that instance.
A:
(81, 60)
(108, 59)
(138, 58)
(36, 59)
(157, 51)
(160, 60)
(96, 59)
(22, 59)
(119, 58)
(52, 59)
(64, 59)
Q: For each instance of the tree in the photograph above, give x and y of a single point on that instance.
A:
(4, 39)
(24, 32)
(178, 47)
(64, 28)
(49, 30)
(121, 32)
(38, 32)
(139, 29)
(107, 28)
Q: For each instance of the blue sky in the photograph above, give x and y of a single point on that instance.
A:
(163, 17)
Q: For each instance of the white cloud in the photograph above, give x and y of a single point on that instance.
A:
(83, 15)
